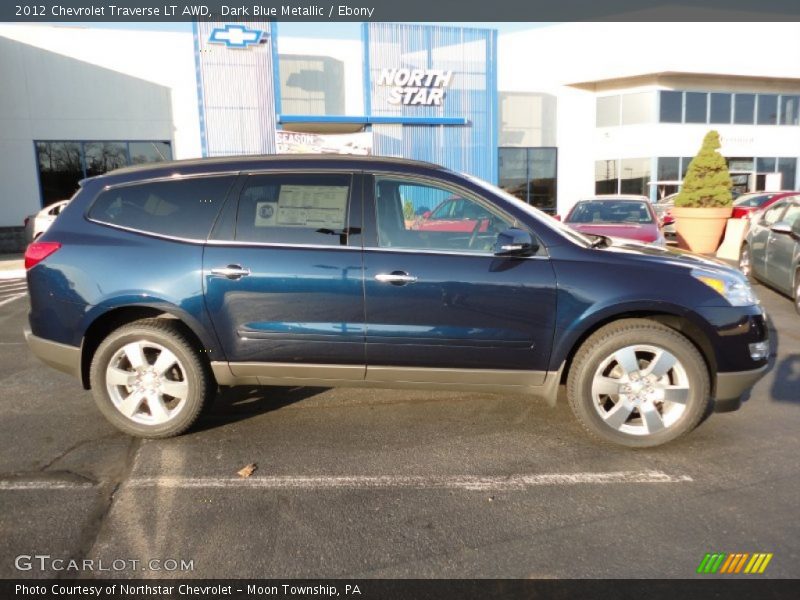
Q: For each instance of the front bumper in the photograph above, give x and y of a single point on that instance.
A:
(730, 387)
(62, 357)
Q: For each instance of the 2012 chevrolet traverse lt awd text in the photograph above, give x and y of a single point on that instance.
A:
(159, 283)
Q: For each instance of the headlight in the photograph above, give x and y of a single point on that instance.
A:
(736, 290)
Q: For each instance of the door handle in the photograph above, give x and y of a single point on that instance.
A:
(231, 271)
(395, 278)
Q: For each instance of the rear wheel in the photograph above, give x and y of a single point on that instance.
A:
(148, 379)
(638, 383)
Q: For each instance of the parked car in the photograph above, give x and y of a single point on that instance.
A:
(771, 252)
(629, 217)
(456, 215)
(746, 204)
(36, 225)
(160, 282)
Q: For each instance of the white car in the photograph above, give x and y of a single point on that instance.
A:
(36, 225)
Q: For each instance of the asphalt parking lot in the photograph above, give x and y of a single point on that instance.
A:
(390, 483)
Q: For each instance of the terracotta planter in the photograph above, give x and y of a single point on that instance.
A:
(700, 229)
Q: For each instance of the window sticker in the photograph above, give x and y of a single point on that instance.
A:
(310, 206)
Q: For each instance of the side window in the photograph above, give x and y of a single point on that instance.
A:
(455, 223)
(772, 214)
(792, 217)
(181, 208)
(294, 209)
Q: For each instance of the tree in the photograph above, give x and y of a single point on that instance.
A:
(708, 182)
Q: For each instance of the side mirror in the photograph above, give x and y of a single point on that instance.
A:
(557, 217)
(514, 242)
(782, 227)
(426, 214)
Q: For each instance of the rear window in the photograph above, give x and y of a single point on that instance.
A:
(183, 208)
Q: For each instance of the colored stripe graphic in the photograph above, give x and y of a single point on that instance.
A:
(724, 563)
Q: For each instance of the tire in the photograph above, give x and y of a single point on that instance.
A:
(797, 291)
(616, 397)
(132, 388)
(746, 262)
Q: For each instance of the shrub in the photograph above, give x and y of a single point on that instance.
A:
(708, 182)
(408, 210)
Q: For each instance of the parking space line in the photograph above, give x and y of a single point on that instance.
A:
(11, 299)
(471, 483)
(40, 484)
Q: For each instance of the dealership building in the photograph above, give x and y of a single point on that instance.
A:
(552, 114)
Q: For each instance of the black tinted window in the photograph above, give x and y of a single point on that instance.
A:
(294, 209)
(671, 107)
(181, 208)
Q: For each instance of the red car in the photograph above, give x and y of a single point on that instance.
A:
(456, 215)
(746, 204)
(618, 216)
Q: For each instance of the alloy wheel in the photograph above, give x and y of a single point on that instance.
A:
(640, 390)
(146, 383)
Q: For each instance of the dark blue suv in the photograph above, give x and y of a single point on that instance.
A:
(159, 283)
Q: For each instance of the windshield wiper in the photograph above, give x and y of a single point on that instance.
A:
(600, 241)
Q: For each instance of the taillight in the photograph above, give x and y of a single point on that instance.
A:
(38, 251)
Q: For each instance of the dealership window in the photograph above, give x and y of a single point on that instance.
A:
(787, 167)
(696, 107)
(671, 107)
(527, 119)
(62, 164)
(608, 111)
(530, 175)
(789, 110)
(720, 110)
(634, 176)
(669, 168)
(744, 106)
(606, 176)
(767, 109)
(637, 108)
(60, 169)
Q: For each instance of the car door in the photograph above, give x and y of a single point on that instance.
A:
(283, 276)
(782, 250)
(760, 236)
(441, 299)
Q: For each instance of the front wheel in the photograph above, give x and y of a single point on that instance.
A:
(148, 379)
(797, 291)
(745, 262)
(638, 383)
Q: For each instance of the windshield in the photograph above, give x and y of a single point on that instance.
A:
(610, 211)
(752, 200)
(541, 217)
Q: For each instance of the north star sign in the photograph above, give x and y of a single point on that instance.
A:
(422, 87)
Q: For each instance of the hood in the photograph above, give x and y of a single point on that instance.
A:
(636, 231)
(668, 255)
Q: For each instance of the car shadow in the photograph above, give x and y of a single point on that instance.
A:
(232, 404)
(786, 383)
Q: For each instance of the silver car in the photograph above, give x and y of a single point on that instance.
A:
(771, 251)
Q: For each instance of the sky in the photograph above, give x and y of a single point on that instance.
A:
(343, 31)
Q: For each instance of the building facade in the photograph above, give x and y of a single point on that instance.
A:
(553, 114)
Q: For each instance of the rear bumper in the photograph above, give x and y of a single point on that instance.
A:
(62, 357)
(731, 386)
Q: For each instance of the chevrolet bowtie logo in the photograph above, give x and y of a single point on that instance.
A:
(235, 36)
